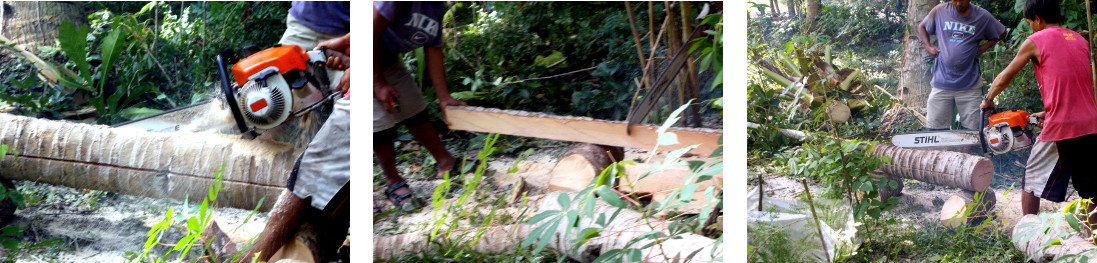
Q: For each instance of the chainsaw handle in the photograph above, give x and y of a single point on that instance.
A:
(986, 112)
(230, 97)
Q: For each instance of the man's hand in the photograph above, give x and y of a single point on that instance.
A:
(933, 50)
(1039, 117)
(344, 83)
(384, 93)
(448, 101)
(986, 104)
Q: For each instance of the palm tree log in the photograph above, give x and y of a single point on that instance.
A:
(945, 168)
(135, 162)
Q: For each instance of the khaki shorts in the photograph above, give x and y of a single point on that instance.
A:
(941, 102)
(411, 99)
(303, 36)
(324, 167)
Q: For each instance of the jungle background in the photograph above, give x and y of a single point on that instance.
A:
(110, 62)
(865, 43)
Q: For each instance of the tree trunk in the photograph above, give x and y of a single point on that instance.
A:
(621, 229)
(916, 75)
(954, 210)
(135, 162)
(791, 8)
(813, 7)
(946, 168)
(581, 164)
(689, 74)
(1073, 244)
(30, 24)
(776, 9)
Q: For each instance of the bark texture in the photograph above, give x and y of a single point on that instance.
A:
(952, 212)
(581, 164)
(946, 168)
(34, 23)
(1073, 244)
(135, 162)
(916, 74)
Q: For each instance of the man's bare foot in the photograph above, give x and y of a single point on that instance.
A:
(448, 165)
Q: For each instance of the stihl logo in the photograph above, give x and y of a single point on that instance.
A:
(925, 139)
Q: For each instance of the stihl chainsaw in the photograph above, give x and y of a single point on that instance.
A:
(268, 85)
(1002, 132)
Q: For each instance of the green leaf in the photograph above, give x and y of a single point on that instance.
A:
(183, 242)
(137, 112)
(74, 45)
(564, 200)
(673, 118)
(609, 196)
(668, 138)
(1073, 222)
(547, 235)
(11, 244)
(111, 49)
(542, 216)
(687, 192)
(635, 255)
(586, 234)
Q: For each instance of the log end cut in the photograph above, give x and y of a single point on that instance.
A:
(954, 212)
(581, 164)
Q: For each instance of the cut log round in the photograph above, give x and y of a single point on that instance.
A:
(954, 211)
(838, 112)
(581, 164)
(945, 168)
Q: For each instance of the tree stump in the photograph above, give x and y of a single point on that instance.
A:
(581, 164)
(953, 212)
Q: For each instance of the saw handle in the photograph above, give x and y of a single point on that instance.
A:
(227, 89)
(987, 112)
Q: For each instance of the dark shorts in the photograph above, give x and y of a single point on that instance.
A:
(389, 135)
(1070, 166)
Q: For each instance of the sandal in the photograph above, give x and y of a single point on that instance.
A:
(398, 199)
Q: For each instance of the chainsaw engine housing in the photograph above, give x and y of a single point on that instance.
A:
(1008, 131)
(267, 86)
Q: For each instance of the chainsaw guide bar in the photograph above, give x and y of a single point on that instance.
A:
(936, 139)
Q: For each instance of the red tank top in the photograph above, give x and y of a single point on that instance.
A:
(1065, 84)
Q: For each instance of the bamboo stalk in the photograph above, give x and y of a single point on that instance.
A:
(636, 39)
(818, 225)
(651, 23)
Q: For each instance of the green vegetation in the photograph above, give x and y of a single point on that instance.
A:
(136, 58)
(788, 88)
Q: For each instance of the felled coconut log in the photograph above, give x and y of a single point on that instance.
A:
(954, 210)
(136, 162)
(580, 164)
(1071, 242)
(625, 226)
(945, 168)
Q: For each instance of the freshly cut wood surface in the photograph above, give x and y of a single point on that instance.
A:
(576, 129)
(580, 164)
(952, 212)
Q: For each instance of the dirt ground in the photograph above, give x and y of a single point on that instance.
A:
(920, 200)
(103, 227)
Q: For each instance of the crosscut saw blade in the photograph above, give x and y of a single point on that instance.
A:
(936, 139)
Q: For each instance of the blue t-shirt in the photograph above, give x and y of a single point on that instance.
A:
(331, 17)
(958, 38)
(411, 25)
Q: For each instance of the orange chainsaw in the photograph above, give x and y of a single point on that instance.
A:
(1002, 132)
(269, 86)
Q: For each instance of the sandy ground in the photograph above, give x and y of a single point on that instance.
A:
(114, 225)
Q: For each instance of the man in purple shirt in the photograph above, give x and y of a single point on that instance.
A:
(963, 32)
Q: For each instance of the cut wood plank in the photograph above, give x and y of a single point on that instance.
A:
(576, 129)
(662, 183)
(954, 210)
